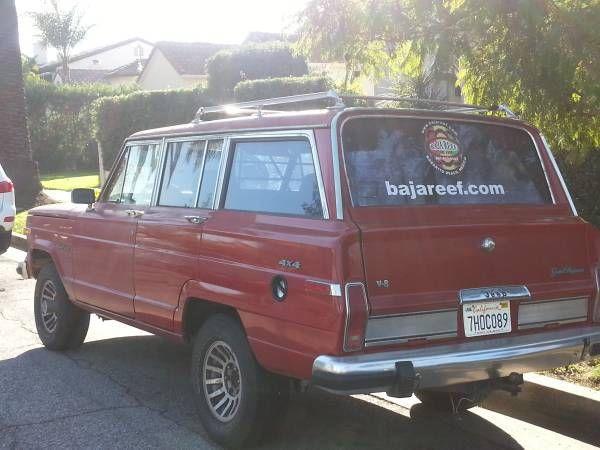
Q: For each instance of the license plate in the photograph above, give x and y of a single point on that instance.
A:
(485, 318)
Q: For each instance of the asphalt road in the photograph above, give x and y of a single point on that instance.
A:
(127, 389)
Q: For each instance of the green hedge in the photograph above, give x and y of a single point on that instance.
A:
(228, 67)
(115, 118)
(582, 175)
(280, 87)
(59, 123)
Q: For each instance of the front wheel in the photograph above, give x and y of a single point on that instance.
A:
(60, 324)
(237, 400)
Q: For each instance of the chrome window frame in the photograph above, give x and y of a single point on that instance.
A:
(228, 139)
(337, 148)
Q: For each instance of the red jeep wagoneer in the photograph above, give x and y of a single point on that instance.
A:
(356, 249)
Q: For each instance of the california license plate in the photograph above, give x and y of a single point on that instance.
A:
(485, 318)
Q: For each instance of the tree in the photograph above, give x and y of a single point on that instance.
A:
(541, 57)
(15, 152)
(62, 31)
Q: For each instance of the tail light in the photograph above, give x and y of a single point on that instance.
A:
(9, 219)
(6, 186)
(357, 313)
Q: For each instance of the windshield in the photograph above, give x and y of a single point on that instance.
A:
(405, 161)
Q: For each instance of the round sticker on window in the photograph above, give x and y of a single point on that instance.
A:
(442, 148)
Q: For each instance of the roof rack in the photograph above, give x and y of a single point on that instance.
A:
(335, 100)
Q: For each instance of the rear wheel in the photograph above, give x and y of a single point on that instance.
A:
(237, 400)
(60, 324)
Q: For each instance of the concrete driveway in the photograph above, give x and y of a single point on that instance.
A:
(127, 389)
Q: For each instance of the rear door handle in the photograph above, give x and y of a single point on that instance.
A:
(196, 220)
(134, 213)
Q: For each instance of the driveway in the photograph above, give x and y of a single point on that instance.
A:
(127, 389)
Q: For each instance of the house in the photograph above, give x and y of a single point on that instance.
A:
(174, 65)
(94, 65)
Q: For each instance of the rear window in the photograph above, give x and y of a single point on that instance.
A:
(402, 161)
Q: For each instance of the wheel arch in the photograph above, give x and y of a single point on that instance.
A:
(196, 311)
(37, 259)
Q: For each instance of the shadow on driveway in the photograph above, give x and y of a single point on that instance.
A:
(136, 389)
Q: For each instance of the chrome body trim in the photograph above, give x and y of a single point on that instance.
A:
(335, 290)
(335, 154)
(517, 126)
(559, 174)
(347, 305)
(563, 310)
(446, 365)
(493, 293)
(385, 330)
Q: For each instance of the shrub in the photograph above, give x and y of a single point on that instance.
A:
(59, 123)
(115, 118)
(228, 67)
(582, 176)
(280, 87)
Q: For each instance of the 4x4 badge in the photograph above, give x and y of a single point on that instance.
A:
(288, 264)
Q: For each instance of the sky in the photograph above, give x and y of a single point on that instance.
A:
(219, 21)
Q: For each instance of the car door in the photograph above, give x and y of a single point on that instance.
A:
(169, 234)
(103, 253)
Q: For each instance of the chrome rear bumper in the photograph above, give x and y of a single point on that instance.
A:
(446, 365)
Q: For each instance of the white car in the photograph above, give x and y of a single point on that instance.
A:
(7, 210)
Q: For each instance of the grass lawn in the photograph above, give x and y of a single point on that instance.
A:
(68, 181)
(19, 224)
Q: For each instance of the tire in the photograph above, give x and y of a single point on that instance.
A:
(60, 324)
(451, 402)
(5, 237)
(253, 401)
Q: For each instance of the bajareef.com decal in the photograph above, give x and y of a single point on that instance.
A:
(442, 148)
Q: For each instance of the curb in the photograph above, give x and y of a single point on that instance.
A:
(19, 241)
(549, 401)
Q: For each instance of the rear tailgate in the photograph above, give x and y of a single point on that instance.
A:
(449, 205)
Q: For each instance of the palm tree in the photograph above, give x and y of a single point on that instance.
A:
(15, 151)
(62, 31)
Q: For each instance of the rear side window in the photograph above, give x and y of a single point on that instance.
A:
(403, 161)
(276, 177)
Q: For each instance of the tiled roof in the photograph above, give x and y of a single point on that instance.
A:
(80, 76)
(134, 68)
(188, 58)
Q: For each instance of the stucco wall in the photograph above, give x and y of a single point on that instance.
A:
(160, 74)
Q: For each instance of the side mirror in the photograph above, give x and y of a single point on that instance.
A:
(83, 196)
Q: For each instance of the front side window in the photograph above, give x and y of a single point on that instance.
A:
(141, 172)
(276, 177)
(116, 187)
(405, 161)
